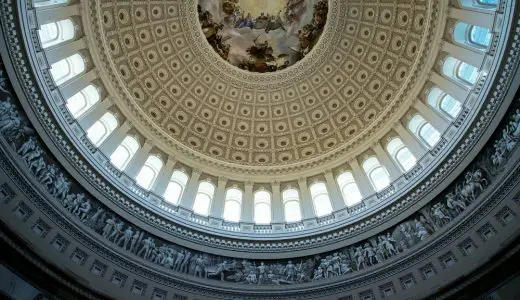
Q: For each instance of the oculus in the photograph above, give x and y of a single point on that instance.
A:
(262, 35)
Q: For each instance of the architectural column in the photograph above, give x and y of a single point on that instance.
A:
(471, 57)
(164, 176)
(362, 181)
(336, 198)
(188, 197)
(455, 90)
(217, 206)
(75, 85)
(472, 17)
(138, 160)
(58, 53)
(432, 116)
(417, 149)
(114, 140)
(276, 204)
(95, 113)
(247, 204)
(305, 200)
(47, 15)
(387, 162)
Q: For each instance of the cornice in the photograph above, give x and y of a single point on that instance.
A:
(353, 233)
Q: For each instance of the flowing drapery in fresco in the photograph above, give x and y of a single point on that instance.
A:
(262, 36)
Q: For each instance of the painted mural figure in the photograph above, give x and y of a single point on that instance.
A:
(260, 37)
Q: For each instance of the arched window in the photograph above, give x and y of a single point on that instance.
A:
(491, 3)
(44, 3)
(203, 198)
(472, 35)
(349, 189)
(149, 172)
(320, 199)
(424, 130)
(444, 103)
(83, 100)
(460, 71)
(98, 132)
(262, 207)
(400, 154)
(124, 152)
(291, 205)
(480, 36)
(482, 4)
(67, 68)
(377, 174)
(176, 187)
(55, 33)
(233, 205)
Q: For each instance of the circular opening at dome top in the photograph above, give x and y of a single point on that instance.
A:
(262, 35)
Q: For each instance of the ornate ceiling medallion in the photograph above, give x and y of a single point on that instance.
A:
(262, 35)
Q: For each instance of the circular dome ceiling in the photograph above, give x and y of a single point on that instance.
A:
(200, 107)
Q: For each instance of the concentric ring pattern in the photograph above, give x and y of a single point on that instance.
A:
(164, 73)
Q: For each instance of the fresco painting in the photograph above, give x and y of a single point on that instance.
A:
(262, 35)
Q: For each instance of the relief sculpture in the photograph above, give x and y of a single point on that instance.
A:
(364, 254)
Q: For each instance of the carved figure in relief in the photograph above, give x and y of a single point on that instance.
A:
(261, 272)
(345, 267)
(84, 210)
(389, 243)
(200, 266)
(221, 268)
(290, 271)
(69, 201)
(509, 139)
(168, 261)
(61, 187)
(251, 277)
(420, 230)
(406, 231)
(33, 154)
(125, 238)
(370, 254)
(77, 203)
(427, 223)
(515, 123)
(440, 214)
(134, 240)
(359, 257)
(160, 255)
(37, 166)
(500, 150)
(381, 249)
(329, 267)
(29, 145)
(109, 225)
(301, 274)
(186, 261)
(48, 176)
(455, 204)
(95, 217)
(336, 264)
(473, 181)
(148, 244)
(116, 231)
(10, 123)
(179, 260)
(318, 274)
(3, 84)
